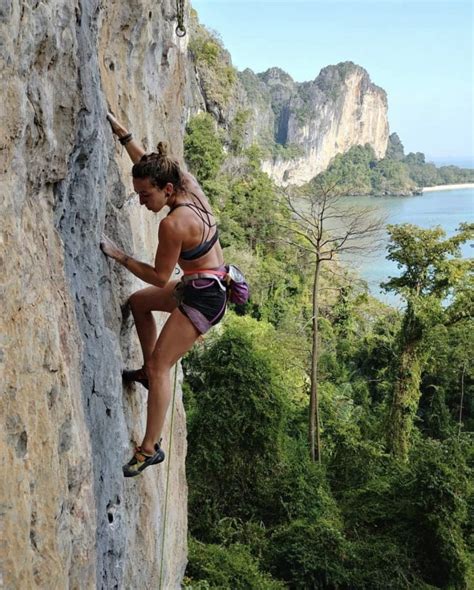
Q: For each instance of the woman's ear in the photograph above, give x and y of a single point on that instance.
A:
(169, 189)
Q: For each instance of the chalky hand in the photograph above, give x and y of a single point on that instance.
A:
(110, 248)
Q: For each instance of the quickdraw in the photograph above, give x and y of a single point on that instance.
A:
(180, 29)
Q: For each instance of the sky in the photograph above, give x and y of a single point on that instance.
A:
(420, 52)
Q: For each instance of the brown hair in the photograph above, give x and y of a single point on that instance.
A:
(159, 168)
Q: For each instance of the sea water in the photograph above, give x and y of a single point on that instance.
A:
(446, 208)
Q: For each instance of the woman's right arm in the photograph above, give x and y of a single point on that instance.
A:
(134, 149)
(165, 261)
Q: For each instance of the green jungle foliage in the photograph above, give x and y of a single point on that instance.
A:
(262, 515)
(203, 147)
(217, 73)
(237, 130)
(433, 285)
(362, 173)
(287, 151)
(223, 567)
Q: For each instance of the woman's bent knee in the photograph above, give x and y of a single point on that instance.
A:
(153, 299)
(137, 301)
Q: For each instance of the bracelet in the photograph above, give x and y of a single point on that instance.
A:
(126, 138)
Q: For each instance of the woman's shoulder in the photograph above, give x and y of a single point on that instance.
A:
(171, 227)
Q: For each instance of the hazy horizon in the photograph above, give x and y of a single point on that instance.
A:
(461, 161)
(464, 161)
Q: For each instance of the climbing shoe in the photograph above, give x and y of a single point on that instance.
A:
(141, 461)
(138, 375)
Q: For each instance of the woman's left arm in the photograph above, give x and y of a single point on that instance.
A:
(166, 259)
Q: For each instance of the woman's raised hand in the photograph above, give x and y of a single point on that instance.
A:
(117, 128)
(110, 248)
(134, 150)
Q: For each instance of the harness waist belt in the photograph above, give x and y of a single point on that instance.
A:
(203, 273)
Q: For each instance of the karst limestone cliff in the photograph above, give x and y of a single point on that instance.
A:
(320, 119)
(300, 127)
(69, 518)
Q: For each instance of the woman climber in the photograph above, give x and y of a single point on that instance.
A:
(188, 236)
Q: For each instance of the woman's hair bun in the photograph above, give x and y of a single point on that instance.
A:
(162, 149)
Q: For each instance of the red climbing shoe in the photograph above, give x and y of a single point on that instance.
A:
(138, 375)
(142, 460)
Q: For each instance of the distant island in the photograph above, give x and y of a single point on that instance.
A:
(396, 174)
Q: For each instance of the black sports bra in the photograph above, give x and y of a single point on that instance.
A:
(205, 245)
(200, 249)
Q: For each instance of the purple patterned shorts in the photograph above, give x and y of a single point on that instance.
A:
(203, 302)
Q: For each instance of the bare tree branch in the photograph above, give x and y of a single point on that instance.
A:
(331, 229)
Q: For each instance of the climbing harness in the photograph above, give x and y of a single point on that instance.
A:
(180, 29)
(168, 476)
(233, 277)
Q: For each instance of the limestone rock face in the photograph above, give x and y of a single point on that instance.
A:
(314, 121)
(69, 518)
(300, 126)
(326, 117)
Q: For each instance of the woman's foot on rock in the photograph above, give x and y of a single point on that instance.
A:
(137, 375)
(141, 460)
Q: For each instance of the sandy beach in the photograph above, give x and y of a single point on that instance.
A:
(447, 187)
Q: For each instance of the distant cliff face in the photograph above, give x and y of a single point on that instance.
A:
(339, 109)
(300, 126)
(69, 519)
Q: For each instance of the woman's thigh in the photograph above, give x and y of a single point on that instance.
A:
(176, 338)
(155, 298)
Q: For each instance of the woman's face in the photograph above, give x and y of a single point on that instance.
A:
(152, 197)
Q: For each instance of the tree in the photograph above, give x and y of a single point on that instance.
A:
(395, 150)
(203, 149)
(352, 171)
(326, 227)
(435, 286)
(236, 426)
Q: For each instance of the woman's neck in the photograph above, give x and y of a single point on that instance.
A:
(179, 198)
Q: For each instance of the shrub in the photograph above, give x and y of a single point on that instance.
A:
(437, 495)
(236, 432)
(203, 149)
(215, 567)
(309, 555)
(217, 75)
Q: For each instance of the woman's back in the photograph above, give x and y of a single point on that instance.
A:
(197, 226)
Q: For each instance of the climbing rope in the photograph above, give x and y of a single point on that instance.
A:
(180, 29)
(168, 476)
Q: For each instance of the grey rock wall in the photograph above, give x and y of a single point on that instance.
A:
(69, 519)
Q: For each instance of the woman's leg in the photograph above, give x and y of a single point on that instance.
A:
(176, 338)
(142, 303)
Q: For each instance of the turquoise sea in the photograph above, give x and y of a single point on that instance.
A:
(447, 208)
